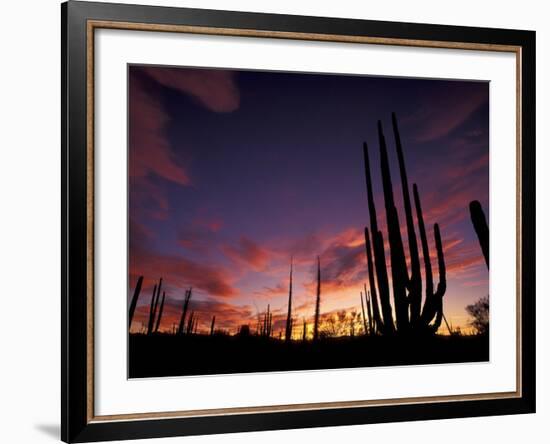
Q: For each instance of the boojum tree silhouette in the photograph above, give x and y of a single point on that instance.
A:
(411, 316)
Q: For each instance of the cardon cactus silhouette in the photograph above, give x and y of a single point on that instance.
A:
(160, 312)
(268, 322)
(153, 307)
(288, 328)
(304, 330)
(410, 315)
(212, 324)
(365, 325)
(135, 298)
(480, 225)
(372, 329)
(317, 302)
(181, 327)
(191, 323)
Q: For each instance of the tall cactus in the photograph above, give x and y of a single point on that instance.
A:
(304, 330)
(160, 312)
(268, 322)
(379, 255)
(152, 309)
(397, 253)
(190, 323)
(480, 225)
(406, 287)
(135, 298)
(317, 302)
(288, 327)
(414, 282)
(372, 328)
(212, 324)
(365, 327)
(187, 298)
(433, 304)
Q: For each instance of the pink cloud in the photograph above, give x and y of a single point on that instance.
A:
(150, 149)
(182, 273)
(248, 252)
(214, 89)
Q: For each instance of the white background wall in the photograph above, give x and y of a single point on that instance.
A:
(30, 221)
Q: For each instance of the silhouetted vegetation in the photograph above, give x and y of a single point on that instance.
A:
(482, 230)
(410, 316)
(479, 311)
(133, 304)
(153, 356)
(212, 324)
(288, 329)
(406, 332)
(159, 317)
(317, 302)
(186, 300)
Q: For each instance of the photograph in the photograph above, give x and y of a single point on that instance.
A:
(302, 219)
(290, 221)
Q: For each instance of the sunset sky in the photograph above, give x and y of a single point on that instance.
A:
(233, 172)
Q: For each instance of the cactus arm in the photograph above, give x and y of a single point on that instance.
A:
(442, 285)
(183, 313)
(153, 314)
(157, 299)
(482, 230)
(288, 327)
(386, 310)
(378, 252)
(151, 308)
(190, 323)
(397, 253)
(414, 283)
(135, 298)
(363, 313)
(433, 303)
(160, 312)
(212, 325)
(317, 301)
(369, 313)
(428, 275)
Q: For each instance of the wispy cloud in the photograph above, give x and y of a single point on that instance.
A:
(248, 252)
(447, 110)
(216, 90)
(180, 272)
(150, 150)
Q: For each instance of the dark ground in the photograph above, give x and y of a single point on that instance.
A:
(169, 355)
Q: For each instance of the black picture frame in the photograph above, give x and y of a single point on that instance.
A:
(77, 425)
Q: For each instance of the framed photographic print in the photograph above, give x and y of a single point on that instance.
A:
(277, 221)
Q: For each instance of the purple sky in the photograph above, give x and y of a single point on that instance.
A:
(234, 172)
